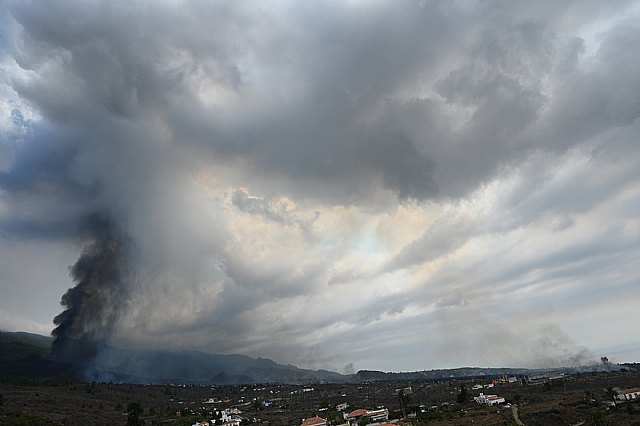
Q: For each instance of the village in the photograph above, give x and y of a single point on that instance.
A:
(409, 412)
(555, 398)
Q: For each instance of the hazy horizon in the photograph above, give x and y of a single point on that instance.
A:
(346, 371)
(391, 185)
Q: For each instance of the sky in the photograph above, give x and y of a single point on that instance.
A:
(393, 185)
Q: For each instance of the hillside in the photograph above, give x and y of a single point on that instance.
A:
(18, 346)
(27, 355)
(139, 366)
(477, 372)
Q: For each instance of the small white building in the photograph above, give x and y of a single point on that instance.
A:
(489, 399)
(373, 416)
(230, 417)
(406, 391)
(630, 393)
(379, 415)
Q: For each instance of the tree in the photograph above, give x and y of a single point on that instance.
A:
(134, 410)
(403, 399)
(599, 419)
(333, 418)
(611, 393)
(258, 405)
(462, 396)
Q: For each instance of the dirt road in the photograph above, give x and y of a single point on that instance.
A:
(514, 410)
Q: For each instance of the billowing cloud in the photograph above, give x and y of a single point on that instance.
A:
(328, 183)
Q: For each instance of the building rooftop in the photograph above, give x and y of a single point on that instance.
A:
(314, 421)
(358, 412)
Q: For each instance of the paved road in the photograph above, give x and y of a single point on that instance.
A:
(514, 410)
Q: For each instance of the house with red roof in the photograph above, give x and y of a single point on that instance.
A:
(314, 421)
(373, 416)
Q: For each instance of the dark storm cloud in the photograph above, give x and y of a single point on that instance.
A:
(341, 114)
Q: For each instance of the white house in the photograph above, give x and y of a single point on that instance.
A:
(489, 399)
(355, 415)
(631, 393)
(407, 391)
(229, 417)
(379, 415)
(373, 416)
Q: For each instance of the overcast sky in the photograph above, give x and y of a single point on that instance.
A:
(395, 185)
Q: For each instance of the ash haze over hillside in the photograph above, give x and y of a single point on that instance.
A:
(391, 185)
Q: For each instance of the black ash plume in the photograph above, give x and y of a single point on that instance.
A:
(93, 305)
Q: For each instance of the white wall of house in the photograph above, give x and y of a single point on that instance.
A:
(489, 399)
(632, 395)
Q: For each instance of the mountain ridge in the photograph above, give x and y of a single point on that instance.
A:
(28, 355)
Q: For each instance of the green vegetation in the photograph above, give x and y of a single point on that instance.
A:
(134, 411)
(463, 395)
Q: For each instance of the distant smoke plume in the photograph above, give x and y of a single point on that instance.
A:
(92, 306)
(348, 369)
(607, 363)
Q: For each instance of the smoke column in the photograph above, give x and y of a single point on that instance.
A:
(92, 306)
